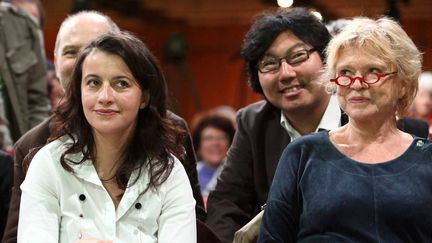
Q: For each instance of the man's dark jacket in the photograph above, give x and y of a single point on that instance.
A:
(6, 180)
(38, 136)
(250, 165)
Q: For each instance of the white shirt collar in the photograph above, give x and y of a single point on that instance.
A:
(330, 120)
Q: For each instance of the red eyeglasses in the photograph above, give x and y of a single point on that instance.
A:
(368, 78)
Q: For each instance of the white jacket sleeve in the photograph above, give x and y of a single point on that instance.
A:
(39, 210)
(177, 222)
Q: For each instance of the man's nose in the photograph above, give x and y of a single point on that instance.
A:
(286, 70)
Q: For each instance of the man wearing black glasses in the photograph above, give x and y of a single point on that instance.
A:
(284, 53)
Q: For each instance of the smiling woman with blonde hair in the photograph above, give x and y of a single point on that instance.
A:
(366, 181)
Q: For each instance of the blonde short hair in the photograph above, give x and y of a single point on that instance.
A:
(383, 38)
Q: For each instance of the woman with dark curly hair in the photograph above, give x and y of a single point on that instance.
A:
(110, 172)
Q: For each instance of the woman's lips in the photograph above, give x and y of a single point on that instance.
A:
(106, 112)
(358, 99)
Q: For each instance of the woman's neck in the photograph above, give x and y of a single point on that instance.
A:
(108, 153)
(371, 141)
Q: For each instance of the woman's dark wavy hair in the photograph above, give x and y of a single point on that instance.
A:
(300, 21)
(155, 137)
(212, 120)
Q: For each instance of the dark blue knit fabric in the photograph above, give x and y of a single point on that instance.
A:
(320, 195)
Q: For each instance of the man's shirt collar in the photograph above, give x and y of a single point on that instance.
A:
(330, 120)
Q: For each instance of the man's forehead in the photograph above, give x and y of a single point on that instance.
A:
(284, 41)
(82, 33)
(287, 48)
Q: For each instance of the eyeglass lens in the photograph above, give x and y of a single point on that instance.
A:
(272, 63)
(368, 78)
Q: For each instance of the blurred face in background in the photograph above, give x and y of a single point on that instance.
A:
(423, 103)
(213, 147)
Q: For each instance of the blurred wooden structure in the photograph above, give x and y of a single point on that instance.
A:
(213, 31)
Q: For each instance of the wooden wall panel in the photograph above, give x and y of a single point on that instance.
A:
(213, 32)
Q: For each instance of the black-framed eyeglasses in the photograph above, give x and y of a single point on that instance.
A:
(368, 78)
(271, 63)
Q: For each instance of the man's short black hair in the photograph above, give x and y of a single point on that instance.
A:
(300, 21)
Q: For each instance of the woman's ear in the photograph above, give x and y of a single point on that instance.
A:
(144, 99)
(402, 91)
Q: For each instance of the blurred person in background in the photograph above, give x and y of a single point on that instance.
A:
(422, 107)
(23, 95)
(212, 136)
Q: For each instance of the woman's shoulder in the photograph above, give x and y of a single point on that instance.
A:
(56, 146)
(52, 150)
(422, 144)
(307, 146)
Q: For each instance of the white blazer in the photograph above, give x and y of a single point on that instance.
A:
(58, 206)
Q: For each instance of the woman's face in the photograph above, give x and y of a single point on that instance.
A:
(111, 97)
(363, 101)
(214, 145)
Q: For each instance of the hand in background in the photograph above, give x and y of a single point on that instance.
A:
(249, 232)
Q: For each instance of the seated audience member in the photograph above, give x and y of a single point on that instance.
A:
(110, 172)
(75, 32)
(366, 181)
(212, 136)
(6, 180)
(422, 107)
(283, 52)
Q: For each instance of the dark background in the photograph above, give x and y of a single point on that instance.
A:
(198, 41)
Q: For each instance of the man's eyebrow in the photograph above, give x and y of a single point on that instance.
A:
(295, 46)
(69, 47)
